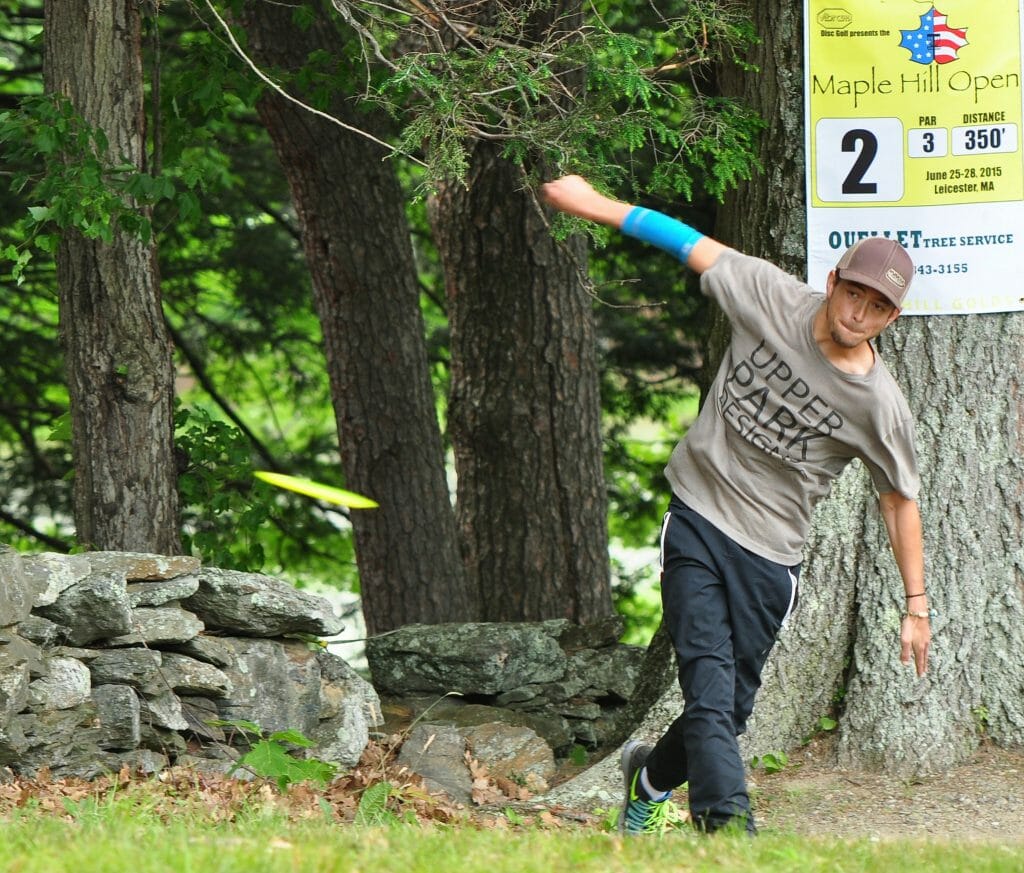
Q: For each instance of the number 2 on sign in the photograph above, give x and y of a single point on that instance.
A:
(859, 160)
(865, 145)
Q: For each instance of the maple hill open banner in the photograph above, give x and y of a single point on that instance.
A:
(913, 119)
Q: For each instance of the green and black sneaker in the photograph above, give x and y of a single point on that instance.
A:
(640, 814)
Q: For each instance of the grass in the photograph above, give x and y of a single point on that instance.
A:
(110, 838)
(187, 822)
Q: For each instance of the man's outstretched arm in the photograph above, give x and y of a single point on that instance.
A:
(576, 196)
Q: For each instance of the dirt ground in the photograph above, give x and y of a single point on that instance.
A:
(982, 799)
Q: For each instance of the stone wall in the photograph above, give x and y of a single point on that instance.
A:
(516, 696)
(571, 684)
(112, 659)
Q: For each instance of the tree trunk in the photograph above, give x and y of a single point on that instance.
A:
(524, 412)
(968, 400)
(117, 353)
(524, 415)
(960, 378)
(357, 245)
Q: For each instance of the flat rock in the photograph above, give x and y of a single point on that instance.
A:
(516, 753)
(65, 684)
(162, 592)
(159, 625)
(50, 574)
(437, 753)
(197, 678)
(91, 609)
(136, 566)
(135, 667)
(472, 658)
(260, 606)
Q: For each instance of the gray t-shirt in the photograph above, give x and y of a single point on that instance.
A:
(781, 421)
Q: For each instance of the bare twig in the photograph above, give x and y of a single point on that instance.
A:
(265, 78)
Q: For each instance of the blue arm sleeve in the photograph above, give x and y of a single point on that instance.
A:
(666, 233)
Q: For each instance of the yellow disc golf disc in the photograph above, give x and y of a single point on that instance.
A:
(318, 490)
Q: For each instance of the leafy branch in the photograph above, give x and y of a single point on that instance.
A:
(580, 92)
(569, 89)
(75, 181)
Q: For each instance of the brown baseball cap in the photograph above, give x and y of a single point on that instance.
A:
(880, 263)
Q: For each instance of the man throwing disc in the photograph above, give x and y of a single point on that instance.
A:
(800, 392)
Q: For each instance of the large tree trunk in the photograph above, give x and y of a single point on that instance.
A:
(968, 400)
(117, 352)
(960, 378)
(357, 245)
(524, 415)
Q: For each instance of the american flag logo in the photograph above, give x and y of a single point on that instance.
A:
(934, 41)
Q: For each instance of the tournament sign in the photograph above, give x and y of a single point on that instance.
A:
(914, 131)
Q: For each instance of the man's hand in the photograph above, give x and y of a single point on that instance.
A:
(915, 637)
(575, 195)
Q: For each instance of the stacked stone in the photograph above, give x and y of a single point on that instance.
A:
(516, 695)
(112, 659)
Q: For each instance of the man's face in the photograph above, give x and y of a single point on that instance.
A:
(856, 313)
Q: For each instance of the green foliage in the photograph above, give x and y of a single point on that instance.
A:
(588, 99)
(71, 179)
(637, 599)
(722, 146)
(271, 756)
(223, 508)
(514, 818)
(637, 447)
(578, 755)
(235, 521)
(373, 806)
(825, 724)
(636, 451)
(67, 169)
(980, 713)
(609, 818)
(770, 762)
(34, 459)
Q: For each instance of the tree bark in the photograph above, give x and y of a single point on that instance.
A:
(117, 353)
(524, 413)
(968, 402)
(965, 391)
(356, 239)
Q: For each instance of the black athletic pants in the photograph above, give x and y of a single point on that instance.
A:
(723, 606)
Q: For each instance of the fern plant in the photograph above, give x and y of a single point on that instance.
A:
(373, 806)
